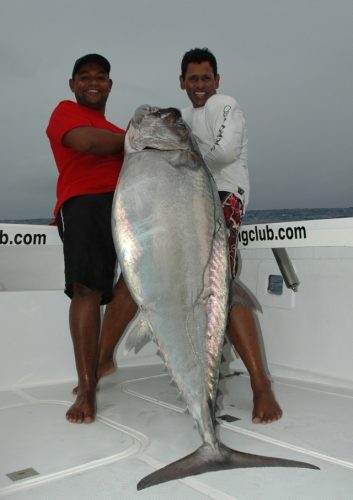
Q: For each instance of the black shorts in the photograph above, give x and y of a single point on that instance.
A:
(84, 224)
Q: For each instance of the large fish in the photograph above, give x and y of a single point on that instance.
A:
(170, 236)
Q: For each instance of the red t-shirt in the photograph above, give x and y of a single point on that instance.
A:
(80, 173)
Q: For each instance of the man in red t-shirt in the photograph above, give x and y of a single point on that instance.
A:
(88, 152)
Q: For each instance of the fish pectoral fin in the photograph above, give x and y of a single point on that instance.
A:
(138, 336)
(208, 459)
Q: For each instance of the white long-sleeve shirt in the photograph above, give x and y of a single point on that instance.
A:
(220, 131)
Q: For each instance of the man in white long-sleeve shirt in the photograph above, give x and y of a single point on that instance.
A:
(219, 127)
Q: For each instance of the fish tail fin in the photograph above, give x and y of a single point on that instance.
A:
(207, 459)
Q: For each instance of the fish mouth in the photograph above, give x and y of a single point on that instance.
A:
(168, 115)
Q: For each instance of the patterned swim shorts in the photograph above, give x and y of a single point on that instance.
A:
(233, 209)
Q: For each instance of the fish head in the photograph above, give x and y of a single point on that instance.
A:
(163, 129)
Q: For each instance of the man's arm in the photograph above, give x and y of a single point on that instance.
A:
(94, 141)
(228, 125)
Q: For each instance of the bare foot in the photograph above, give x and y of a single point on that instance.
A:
(266, 409)
(84, 409)
(103, 370)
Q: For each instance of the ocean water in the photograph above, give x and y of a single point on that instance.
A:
(251, 216)
(293, 214)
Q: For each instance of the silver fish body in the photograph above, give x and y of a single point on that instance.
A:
(171, 241)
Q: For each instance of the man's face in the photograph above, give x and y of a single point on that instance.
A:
(91, 86)
(200, 83)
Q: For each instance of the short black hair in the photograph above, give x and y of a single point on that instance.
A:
(91, 58)
(198, 56)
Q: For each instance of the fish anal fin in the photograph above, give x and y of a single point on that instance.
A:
(138, 336)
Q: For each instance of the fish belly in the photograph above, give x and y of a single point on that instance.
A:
(170, 237)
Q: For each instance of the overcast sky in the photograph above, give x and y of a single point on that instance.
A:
(288, 63)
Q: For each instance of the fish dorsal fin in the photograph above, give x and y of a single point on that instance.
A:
(138, 336)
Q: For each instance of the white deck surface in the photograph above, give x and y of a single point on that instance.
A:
(141, 426)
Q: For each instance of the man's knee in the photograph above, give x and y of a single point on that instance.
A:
(83, 291)
(121, 289)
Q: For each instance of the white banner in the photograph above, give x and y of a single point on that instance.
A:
(311, 233)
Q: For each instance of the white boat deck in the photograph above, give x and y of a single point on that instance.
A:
(141, 426)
